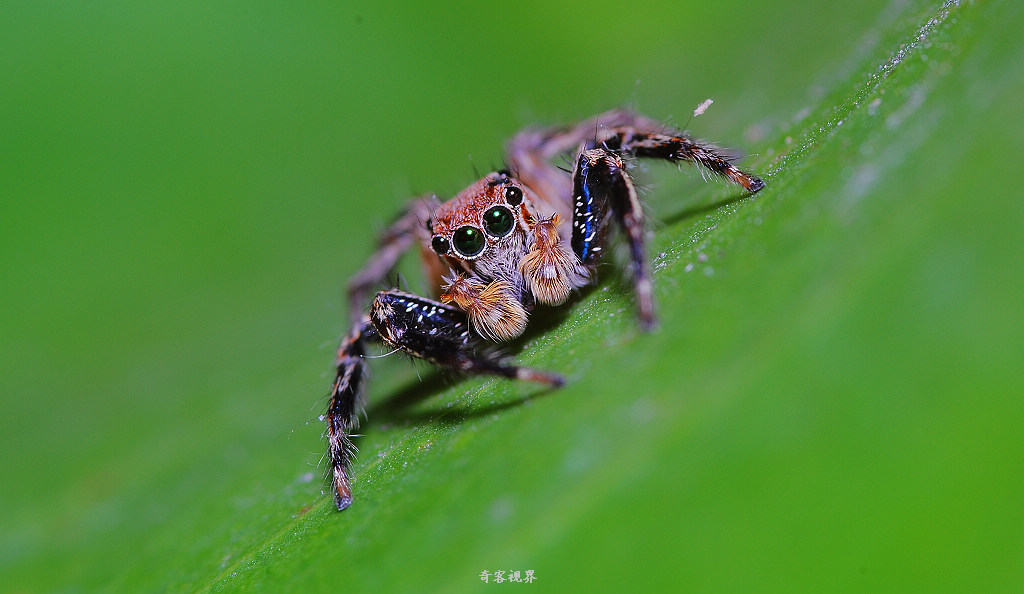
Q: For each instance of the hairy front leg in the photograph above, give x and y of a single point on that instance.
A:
(342, 417)
(440, 333)
(602, 190)
(421, 328)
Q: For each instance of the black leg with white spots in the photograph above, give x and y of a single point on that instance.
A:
(603, 189)
(420, 328)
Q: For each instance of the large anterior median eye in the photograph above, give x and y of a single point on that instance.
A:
(499, 220)
(468, 241)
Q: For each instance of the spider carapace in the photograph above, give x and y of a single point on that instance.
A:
(520, 237)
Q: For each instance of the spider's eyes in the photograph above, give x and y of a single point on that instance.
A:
(469, 241)
(440, 245)
(498, 220)
(513, 195)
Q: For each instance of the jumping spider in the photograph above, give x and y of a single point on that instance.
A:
(527, 235)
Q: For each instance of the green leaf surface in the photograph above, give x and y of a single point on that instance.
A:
(832, 401)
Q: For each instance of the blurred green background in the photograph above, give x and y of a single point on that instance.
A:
(833, 401)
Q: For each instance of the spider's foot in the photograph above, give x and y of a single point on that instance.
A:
(754, 185)
(342, 501)
(541, 377)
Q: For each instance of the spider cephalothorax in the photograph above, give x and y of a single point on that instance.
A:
(504, 258)
(513, 240)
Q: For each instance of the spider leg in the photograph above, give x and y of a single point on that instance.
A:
(342, 415)
(601, 184)
(439, 333)
(678, 147)
(421, 328)
(529, 154)
(394, 241)
(603, 189)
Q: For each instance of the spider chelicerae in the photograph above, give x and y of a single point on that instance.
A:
(525, 236)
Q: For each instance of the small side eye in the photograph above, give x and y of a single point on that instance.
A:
(469, 241)
(513, 195)
(498, 221)
(440, 245)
